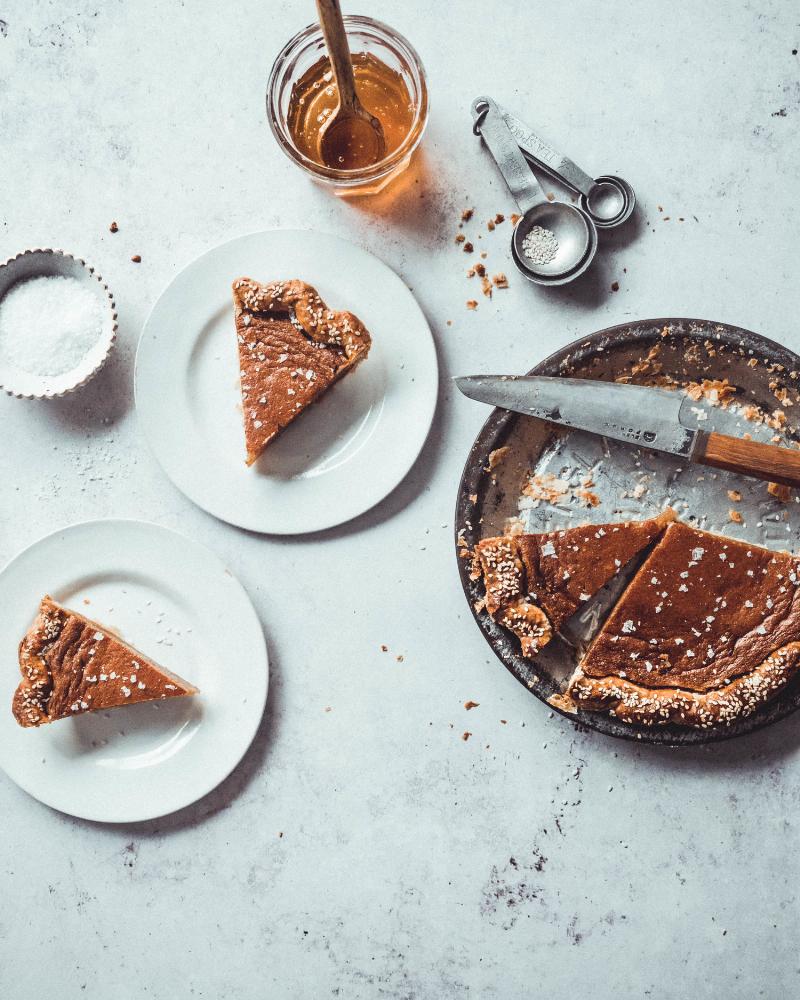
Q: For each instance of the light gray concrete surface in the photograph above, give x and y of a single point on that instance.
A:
(532, 860)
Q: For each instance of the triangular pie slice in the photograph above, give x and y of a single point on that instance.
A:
(292, 348)
(70, 665)
(535, 582)
(707, 630)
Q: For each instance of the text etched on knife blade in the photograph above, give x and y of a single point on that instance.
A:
(629, 433)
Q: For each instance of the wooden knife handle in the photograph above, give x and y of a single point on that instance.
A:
(750, 458)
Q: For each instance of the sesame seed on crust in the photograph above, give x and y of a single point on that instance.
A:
(633, 703)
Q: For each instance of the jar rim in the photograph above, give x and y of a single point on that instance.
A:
(377, 170)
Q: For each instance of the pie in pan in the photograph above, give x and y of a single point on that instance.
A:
(707, 630)
(292, 348)
(71, 665)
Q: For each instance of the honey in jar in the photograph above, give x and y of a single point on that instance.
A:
(381, 90)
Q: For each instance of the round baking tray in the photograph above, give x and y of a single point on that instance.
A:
(689, 350)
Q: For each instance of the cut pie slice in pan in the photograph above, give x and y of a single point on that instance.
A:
(706, 632)
(535, 582)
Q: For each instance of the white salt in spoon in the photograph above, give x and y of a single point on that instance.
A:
(554, 242)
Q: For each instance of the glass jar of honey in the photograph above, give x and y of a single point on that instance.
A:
(390, 83)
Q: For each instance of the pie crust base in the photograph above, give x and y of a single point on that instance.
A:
(632, 702)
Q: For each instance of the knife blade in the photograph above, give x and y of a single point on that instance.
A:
(641, 415)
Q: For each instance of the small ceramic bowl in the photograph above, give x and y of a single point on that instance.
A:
(46, 263)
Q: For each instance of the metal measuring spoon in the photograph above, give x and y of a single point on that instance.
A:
(608, 200)
(565, 237)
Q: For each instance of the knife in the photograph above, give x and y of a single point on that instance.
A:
(643, 416)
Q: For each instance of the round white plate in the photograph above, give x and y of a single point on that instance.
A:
(342, 455)
(176, 602)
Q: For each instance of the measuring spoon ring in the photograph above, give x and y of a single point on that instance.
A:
(553, 242)
(608, 200)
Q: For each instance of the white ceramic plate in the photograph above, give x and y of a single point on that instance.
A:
(341, 456)
(174, 600)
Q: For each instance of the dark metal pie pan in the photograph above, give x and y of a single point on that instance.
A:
(691, 350)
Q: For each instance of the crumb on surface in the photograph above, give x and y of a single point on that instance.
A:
(113, 228)
(500, 280)
(460, 238)
(716, 391)
(780, 492)
(471, 704)
(472, 303)
(467, 214)
(465, 736)
(614, 286)
(137, 259)
(468, 247)
(497, 456)
(735, 516)
(589, 498)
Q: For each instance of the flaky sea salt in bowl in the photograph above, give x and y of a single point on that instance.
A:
(58, 324)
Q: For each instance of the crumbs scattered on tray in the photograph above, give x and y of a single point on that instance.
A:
(557, 489)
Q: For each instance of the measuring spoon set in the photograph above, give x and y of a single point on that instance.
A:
(554, 242)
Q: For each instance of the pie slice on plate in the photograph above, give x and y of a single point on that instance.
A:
(535, 582)
(707, 630)
(292, 348)
(71, 665)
